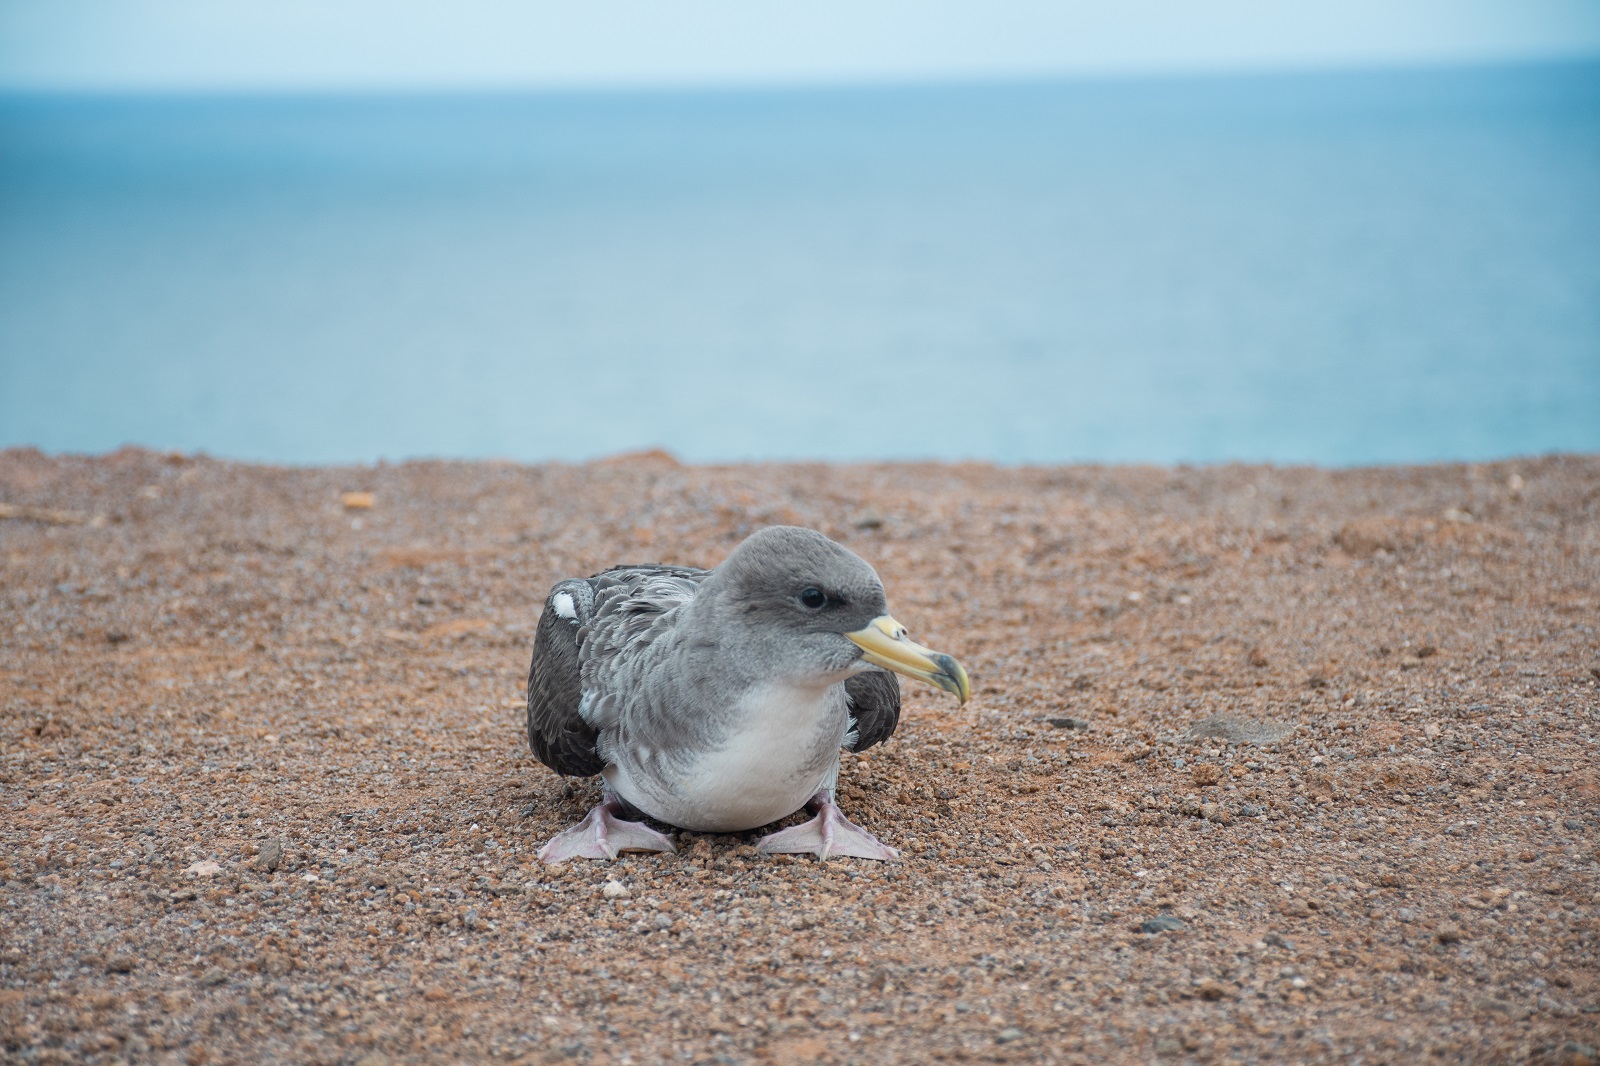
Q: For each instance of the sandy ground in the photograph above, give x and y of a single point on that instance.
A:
(1263, 765)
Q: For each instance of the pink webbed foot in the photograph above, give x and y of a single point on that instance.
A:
(602, 835)
(827, 835)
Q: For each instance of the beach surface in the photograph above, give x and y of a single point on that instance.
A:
(1262, 765)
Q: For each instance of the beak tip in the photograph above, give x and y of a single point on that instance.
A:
(959, 686)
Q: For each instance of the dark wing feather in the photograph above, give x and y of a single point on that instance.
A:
(559, 737)
(874, 707)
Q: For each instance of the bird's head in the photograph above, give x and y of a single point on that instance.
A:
(819, 610)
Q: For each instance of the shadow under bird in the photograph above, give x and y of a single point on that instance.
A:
(719, 700)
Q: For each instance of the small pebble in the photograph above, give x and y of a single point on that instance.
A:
(270, 856)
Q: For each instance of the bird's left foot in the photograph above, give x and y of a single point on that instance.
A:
(830, 834)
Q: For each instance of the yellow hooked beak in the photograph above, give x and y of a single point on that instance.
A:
(885, 642)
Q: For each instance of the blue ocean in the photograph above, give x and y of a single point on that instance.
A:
(1344, 268)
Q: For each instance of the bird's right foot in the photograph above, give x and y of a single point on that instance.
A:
(602, 835)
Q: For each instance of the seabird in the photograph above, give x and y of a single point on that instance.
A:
(718, 700)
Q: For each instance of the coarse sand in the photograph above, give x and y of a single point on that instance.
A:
(1263, 765)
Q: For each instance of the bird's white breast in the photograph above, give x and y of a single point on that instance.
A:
(782, 745)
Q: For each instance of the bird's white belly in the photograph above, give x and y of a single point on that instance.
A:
(784, 745)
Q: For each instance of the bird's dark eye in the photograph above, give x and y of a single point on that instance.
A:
(813, 598)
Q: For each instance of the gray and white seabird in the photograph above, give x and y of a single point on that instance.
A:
(718, 700)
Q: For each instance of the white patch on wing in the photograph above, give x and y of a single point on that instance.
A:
(784, 744)
(562, 602)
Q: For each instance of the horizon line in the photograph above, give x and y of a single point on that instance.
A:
(1122, 74)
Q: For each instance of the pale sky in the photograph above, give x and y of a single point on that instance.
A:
(445, 44)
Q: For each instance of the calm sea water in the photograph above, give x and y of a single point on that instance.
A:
(1337, 269)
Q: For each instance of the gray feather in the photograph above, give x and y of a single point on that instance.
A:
(618, 613)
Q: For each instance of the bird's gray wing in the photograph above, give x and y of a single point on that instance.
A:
(874, 708)
(634, 608)
(587, 624)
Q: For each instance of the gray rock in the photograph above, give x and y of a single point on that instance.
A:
(867, 518)
(1161, 923)
(1238, 730)
(270, 856)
